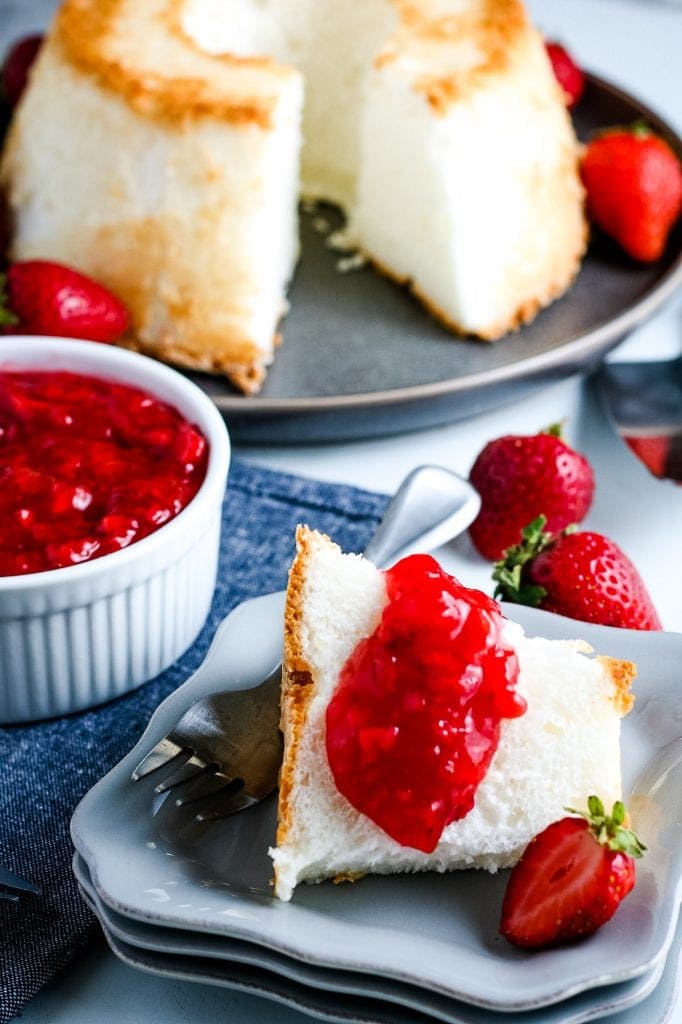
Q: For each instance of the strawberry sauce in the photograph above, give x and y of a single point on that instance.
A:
(87, 467)
(415, 719)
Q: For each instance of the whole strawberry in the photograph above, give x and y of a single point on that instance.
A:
(519, 477)
(47, 298)
(571, 878)
(17, 65)
(569, 76)
(582, 575)
(633, 181)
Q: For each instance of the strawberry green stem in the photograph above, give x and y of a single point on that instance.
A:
(508, 573)
(609, 830)
(640, 129)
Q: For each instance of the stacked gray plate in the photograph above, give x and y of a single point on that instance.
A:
(197, 903)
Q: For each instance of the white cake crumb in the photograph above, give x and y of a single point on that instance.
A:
(352, 262)
(340, 240)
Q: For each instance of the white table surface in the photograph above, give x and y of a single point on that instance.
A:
(636, 45)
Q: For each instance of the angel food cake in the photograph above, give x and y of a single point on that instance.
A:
(423, 731)
(162, 147)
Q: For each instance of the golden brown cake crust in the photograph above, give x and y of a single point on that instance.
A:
(86, 31)
(246, 373)
(523, 314)
(622, 675)
(298, 687)
(495, 27)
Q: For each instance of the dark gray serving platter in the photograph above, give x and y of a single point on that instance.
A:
(362, 358)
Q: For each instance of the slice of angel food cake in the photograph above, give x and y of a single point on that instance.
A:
(425, 731)
(162, 147)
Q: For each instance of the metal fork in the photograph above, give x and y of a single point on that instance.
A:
(11, 886)
(225, 752)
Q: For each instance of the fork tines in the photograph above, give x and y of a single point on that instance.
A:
(215, 795)
(186, 770)
(161, 754)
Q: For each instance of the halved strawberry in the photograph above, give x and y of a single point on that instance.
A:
(571, 878)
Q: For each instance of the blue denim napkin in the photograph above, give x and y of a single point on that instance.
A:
(46, 768)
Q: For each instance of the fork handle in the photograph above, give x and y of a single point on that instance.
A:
(431, 506)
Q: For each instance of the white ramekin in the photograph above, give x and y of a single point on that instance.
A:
(75, 637)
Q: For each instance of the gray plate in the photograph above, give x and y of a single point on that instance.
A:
(436, 932)
(348, 1010)
(189, 949)
(362, 358)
